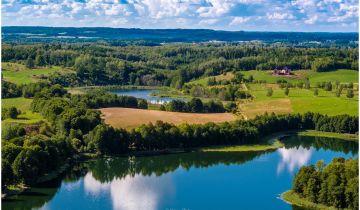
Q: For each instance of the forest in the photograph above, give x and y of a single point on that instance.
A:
(65, 84)
(154, 37)
(170, 65)
(75, 127)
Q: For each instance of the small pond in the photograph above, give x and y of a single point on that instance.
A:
(145, 94)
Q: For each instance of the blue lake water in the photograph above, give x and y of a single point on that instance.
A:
(145, 94)
(196, 180)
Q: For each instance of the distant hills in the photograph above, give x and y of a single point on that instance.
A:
(69, 34)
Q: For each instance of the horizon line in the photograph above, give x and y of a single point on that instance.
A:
(209, 29)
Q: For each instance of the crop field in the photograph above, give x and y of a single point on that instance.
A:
(19, 74)
(130, 118)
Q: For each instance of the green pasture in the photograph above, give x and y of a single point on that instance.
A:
(19, 74)
(23, 104)
(302, 100)
(342, 75)
(20, 103)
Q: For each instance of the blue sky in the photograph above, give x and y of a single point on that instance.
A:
(250, 15)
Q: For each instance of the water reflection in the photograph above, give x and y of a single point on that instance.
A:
(146, 94)
(93, 186)
(132, 192)
(294, 158)
(171, 181)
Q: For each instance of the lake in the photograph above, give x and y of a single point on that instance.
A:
(145, 94)
(196, 180)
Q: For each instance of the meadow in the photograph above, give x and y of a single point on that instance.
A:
(20, 74)
(299, 100)
(341, 75)
(22, 104)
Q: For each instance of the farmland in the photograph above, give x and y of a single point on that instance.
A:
(130, 118)
(299, 100)
(341, 75)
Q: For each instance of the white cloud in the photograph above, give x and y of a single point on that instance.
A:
(307, 14)
(239, 20)
(311, 20)
(208, 21)
(280, 16)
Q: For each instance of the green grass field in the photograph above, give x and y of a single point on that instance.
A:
(342, 75)
(295, 199)
(245, 148)
(26, 117)
(20, 103)
(19, 74)
(204, 81)
(23, 104)
(343, 136)
(298, 101)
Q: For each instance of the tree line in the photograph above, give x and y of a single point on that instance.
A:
(195, 105)
(11, 90)
(334, 185)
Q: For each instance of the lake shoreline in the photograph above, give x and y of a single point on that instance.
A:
(271, 142)
(292, 198)
(341, 136)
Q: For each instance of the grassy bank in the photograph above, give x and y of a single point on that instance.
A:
(292, 198)
(343, 136)
(245, 148)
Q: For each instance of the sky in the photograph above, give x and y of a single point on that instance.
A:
(233, 15)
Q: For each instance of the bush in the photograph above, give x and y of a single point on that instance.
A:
(269, 92)
(142, 104)
(11, 112)
(316, 92)
(286, 91)
(10, 131)
(231, 107)
(350, 93)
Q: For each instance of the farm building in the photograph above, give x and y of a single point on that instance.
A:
(284, 71)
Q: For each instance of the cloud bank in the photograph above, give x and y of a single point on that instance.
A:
(255, 15)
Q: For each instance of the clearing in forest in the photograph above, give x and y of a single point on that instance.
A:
(19, 74)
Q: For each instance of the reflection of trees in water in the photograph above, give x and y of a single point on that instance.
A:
(105, 170)
(34, 198)
(317, 143)
(42, 193)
